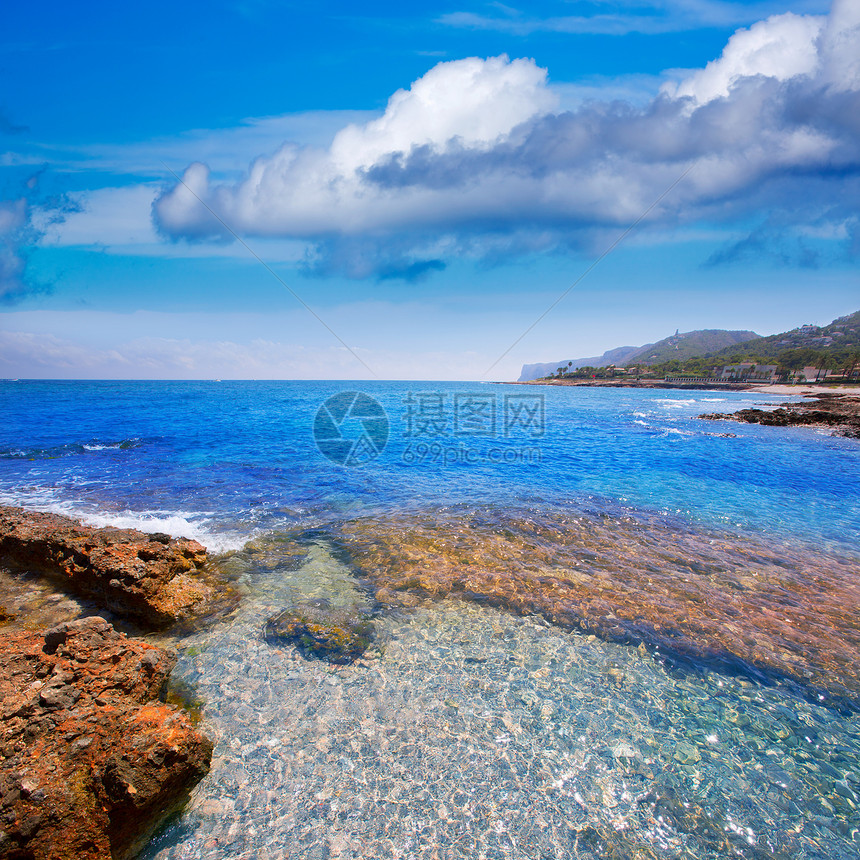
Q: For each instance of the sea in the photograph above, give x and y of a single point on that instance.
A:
(478, 726)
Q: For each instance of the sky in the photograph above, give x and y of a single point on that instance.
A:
(252, 189)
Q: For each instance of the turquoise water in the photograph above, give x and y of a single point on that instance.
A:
(234, 458)
(468, 732)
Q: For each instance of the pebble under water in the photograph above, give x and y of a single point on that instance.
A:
(469, 732)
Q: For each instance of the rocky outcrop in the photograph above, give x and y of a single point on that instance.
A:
(841, 412)
(90, 760)
(153, 578)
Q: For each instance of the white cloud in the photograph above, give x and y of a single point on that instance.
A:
(303, 192)
(782, 47)
(475, 102)
(475, 160)
(841, 46)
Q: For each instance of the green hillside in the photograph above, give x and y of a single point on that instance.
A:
(690, 344)
(835, 347)
(839, 338)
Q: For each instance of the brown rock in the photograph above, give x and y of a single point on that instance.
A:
(835, 410)
(337, 636)
(775, 612)
(154, 578)
(90, 760)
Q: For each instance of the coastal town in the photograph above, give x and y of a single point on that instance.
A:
(805, 355)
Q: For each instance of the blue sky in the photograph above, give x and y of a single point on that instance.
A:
(256, 189)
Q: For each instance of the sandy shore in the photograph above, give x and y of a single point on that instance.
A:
(806, 390)
(788, 390)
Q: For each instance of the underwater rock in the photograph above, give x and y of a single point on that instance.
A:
(337, 636)
(90, 760)
(153, 578)
(729, 602)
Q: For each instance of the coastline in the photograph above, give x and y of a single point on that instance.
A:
(805, 390)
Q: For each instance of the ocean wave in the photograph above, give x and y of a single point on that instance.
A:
(674, 431)
(196, 525)
(68, 449)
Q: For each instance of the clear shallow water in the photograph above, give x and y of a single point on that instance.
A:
(233, 458)
(472, 733)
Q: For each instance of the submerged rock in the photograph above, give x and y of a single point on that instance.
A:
(336, 636)
(729, 602)
(90, 760)
(154, 578)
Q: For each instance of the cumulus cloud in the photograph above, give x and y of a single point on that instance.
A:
(782, 47)
(475, 159)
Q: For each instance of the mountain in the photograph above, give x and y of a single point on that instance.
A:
(612, 356)
(679, 346)
(693, 343)
(838, 338)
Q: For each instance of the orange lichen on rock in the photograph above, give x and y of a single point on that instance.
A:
(91, 760)
(151, 577)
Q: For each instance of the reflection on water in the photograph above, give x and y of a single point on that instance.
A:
(477, 733)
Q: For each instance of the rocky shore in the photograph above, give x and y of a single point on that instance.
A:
(153, 578)
(839, 412)
(92, 759)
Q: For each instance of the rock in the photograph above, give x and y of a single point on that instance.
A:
(836, 410)
(686, 753)
(333, 635)
(770, 613)
(153, 578)
(90, 760)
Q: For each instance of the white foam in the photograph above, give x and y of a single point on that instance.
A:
(178, 524)
(674, 431)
